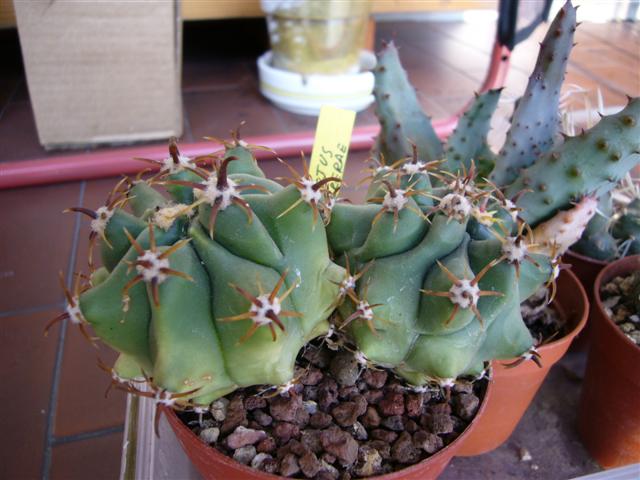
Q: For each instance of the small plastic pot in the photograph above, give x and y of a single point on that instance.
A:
(609, 417)
(514, 388)
(213, 465)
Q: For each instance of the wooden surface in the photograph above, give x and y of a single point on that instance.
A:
(213, 9)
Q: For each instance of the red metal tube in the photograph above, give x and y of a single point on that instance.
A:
(112, 162)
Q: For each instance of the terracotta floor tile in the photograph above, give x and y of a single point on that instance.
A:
(26, 365)
(18, 135)
(95, 459)
(216, 113)
(35, 244)
(82, 406)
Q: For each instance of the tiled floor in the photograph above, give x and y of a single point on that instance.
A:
(56, 422)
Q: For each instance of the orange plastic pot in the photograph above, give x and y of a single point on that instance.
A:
(609, 417)
(586, 269)
(213, 465)
(514, 388)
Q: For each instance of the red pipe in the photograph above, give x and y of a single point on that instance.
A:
(112, 162)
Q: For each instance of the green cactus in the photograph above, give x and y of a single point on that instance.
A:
(535, 123)
(597, 241)
(434, 296)
(590, 163)
(221, 293)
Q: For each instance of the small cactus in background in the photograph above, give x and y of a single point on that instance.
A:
(214, 287)
(615, 231)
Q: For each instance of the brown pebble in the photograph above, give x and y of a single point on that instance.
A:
(382, 447)
(413, 404)
(327, 394)
(394, 423)
(310, 439)
(267, 445)
(253, 402)
(371, 418)
(241, 437)
(320, 420)
(429, 442)
(289, 465)
(312, 376)
(236, 416)
(403, 451)
(437, 423)
(384, 435)
(373, 397)
(465, 405)
(392, 403)
(262, 418)
(286, 409)
(284, 431)
(309, 464)
(375, 378)
(340, 444)
(409, 425)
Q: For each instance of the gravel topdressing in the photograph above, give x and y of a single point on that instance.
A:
(339, 420)
(621, 301)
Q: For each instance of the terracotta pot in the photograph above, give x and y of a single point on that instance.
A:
(609, 418)
(586, 269)
(514, 388)
(213, 465)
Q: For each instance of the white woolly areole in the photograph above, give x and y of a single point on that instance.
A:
(396, 202)
(347, 284)
(456, 206)
(510, 207)
(412, 168)
(212, 193)
(103, 215)
(514, 249)
(165, 398)
(307, 193)
(365, 310)
(447, 382)
(259, 313)
(165, 217)
(153, 266)
(361, 358)
(464, 293)
(556, 235)
(75, 315)
(169, 166)
(458, 186)
(382, 169)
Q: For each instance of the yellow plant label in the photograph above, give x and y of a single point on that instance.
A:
(331, 144)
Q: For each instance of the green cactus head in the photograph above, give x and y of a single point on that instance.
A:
(214, 287)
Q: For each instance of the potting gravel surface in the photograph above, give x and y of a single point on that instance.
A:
(620, 298)
(339, 420)
(543, 321)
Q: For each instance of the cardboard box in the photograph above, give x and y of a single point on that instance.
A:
(102, 72)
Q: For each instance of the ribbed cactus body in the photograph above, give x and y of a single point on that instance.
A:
(420, 335)
(208, 328)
